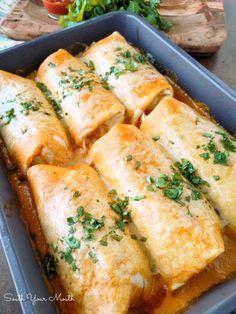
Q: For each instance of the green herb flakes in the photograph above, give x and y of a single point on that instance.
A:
(51, 65)
(7, 117)
(153, 268)
(76, 194)
(55, 104)
(205, 156)
(207, 134)
(128, 158)
(138, 198)
(93, 256)
(161, 181)
(143, 239)
(156, 138)
(220, 158)
(103, 241)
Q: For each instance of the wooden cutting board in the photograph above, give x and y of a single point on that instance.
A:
(198, 25)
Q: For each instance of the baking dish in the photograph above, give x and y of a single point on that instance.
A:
(191, 76)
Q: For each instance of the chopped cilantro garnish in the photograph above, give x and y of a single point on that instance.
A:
(196, 195)
(187, 198)
(93, 256)
(56, 105)
(31, 105)
(120, 206)
(126, 54)
(51, 65)
(205, 156)
(173, 193)
(137, 164)
(80, 211)
(207, 134)
(90, 65)
(197, 120)
(7, 117)
(143, 239)
(139, 197)
(161, 181)
(153, 268)
(149, 179)
(217, 178)
(76, 194)
(156, 138)
(189, 212)
(220, 158)
(227, 143)
(128, 158)
(71, 242)
(103, 241)
(115, 236)
(221, 132)
(67, 256)
(171, 185)
(72, 220)
(151, 188)
(210, 146)
(112, 193)
(120, 225)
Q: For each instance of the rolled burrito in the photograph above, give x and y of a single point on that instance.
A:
(211, 150)
(129, 74)
(87, 107)
(183, 232)
(28, 125)
(100, 265)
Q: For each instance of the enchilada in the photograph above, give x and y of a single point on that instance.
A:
(183, 232)
(28, 125)
(129, 74)
(191, 137)
(87, 107)
(99, 264)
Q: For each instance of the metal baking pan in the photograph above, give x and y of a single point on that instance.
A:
(195, 79)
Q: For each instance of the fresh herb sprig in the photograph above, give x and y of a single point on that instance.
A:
(81, 10)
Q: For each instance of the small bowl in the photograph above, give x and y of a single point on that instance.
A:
(55, 7)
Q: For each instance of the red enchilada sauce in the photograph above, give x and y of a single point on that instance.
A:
(57, 7)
